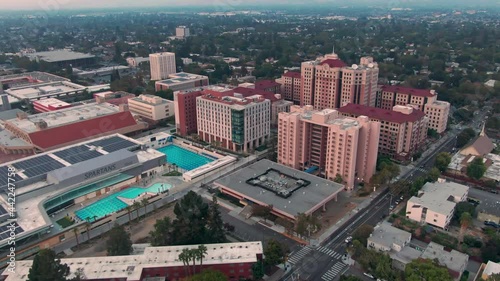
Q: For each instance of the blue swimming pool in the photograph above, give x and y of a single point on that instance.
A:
(184, 158)
(112, 203)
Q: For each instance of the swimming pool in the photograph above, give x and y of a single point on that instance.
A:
(112, 203)
(184, 158)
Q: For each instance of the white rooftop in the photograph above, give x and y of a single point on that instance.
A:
(131, 267)
(181, 77)
(491, 268)
(492, 172)
(436, 196)
(51, 102)
(453, 259)
(45, 89)
(65, 116)
(387, 235)
(60, 55)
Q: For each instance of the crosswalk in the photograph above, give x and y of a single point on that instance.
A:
(329, 252)
(293, 259)
(333, 272)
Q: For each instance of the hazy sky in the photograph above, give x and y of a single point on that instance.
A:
(54, 5)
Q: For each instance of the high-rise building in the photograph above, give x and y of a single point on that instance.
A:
(421, 99)
(232, 121)
(162, 65)
(290, 86)
(329, 83)
(182, 32)
(402, 132)
(336, 145)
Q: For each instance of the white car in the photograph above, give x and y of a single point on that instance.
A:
(348, 239)
(368, 275)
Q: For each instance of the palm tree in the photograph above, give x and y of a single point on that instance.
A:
(465, 222)
(185, 257)
(136, 207)
(94, 217)
(200, 254)
(144, 203)
(75, 231)
(192, 256)
(87, 227)
(129, 209)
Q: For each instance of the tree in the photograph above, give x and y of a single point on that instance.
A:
(166, 94)
(47, 267)
(190, 224)
(201, 254)
(119, 243)
(208, 275)
(129, 209)
(432, 133)
(262, 211)
(465, 136)
(425, 269)
(75, 231)
(184, 256)
(257, 271)
(494, 277)
(88, 225)
(465, 222)
(136, 205)
(306, 225)
(161, 234)
(464, 207)
(362, 233)
(350, 278)
(476, 168)
(144, 203)
(338, 178)
(443, 159)
(275, 252)
(433, 174)
(215, 225)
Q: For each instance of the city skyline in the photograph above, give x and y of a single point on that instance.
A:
(54, 5)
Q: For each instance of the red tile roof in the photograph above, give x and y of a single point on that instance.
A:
(103, 125)
(407, 90)
(246, 92)
(265, 84)
(334, 63)
(381, 114)
(292, 74)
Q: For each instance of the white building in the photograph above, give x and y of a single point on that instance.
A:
(182, 32)
(435, 203)
(386, 237)
(135, 62)
(151, 107)
(236, 123)
(186, 61)
(162, 65)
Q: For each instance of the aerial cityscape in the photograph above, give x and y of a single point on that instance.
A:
(233, 141)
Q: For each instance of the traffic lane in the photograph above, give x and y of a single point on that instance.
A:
(255, 232)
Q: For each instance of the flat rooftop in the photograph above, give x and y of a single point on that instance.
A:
(45, 89)
(453, 260)
(436, 196)
(53, 102)
(301, 200)
(29, 78)
(181, 77)
(388, 235)
(65, 116)
(491, 268)
(131, 267)
(61, 55)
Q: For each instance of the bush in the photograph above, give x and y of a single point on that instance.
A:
(472, 242)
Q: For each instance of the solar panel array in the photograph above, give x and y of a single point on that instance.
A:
(5, 230)
(113, 144)
(38, 165)
(77, 154)
(4, 178)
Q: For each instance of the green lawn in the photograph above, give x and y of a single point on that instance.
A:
(65, 222)
(173, 174)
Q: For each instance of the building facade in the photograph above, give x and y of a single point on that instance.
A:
(182, 32)
(403, 129)
(232, 121)
(151, 107)
(290, 86)
(336, 145)
(268, 86)
(162, 65)
(421, 99)
(359, 83)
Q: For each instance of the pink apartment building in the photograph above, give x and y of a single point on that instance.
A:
(421, 99)
(329, 83)
(335, 144)
(233, 121)
(403, 129)
(290, 86)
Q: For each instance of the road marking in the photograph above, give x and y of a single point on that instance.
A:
(293, 259)
(333, 272)
(329, 252)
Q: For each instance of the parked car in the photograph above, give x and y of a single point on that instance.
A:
(368, 275)
(490, 223)
(397, 202)
(391, 207)
(401, 198)
(494, 191)
(348, 239)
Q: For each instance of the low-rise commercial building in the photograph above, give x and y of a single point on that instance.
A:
(151, 108)
(235, 260)
(324, 140)
(63, 58)
(386, 238)
(181, 81)
(435, 203)
(290, 192)
(50, 104)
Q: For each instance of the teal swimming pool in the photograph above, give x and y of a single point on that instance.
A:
(184, 158)
(112, 203)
